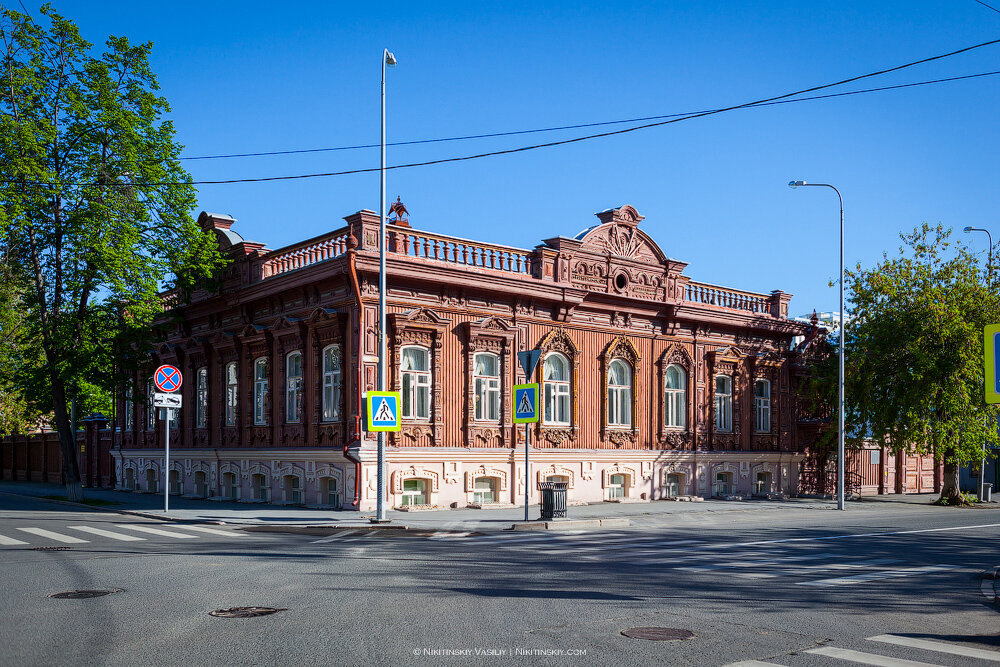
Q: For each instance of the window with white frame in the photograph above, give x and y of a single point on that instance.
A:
(723, 403)
(673, 486)
(675, 396)
(260, 389)
(201, 398)
(484, 490)
(762, 483)
(331, 383)
(232, 393)
(414, 492)
(415, 377)
(762, 405)
(293, 388)
(486, 385)
(150, 410)
(129, 407)
(617, 486)
(723, 484)
(555, 375)
(619, 394)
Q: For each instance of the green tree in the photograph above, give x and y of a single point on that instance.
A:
(914, 351)
(14, 413)
(95, 206)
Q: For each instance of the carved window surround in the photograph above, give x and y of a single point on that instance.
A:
(729, 361)
(559, 340)
(671, 436)
(619, 348)
(423, 327)
(495, 335)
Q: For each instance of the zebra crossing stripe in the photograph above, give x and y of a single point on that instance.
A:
(753, 663)
(157, 531)
(940, 647)
(335, 536)
(9, 541)
(107, 533)
(58, 537)
(868, 658)
(211, 531)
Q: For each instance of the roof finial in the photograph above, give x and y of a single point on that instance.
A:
(399, 209)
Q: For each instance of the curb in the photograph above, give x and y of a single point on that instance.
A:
(571, 524)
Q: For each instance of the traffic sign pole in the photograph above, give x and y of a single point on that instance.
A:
(527, 467)
(528, 360)
(166, 461)
(167, 379)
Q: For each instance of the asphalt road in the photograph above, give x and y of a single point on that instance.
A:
(803, 587)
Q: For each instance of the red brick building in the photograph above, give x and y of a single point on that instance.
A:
(653, 385)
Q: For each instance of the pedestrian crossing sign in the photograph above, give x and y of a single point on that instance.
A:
(383, 410)
(526, 403)
(991, 346)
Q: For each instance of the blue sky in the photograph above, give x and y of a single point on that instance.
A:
(245, 76)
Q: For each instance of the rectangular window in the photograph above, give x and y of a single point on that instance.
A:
(486, 384)
(484, 491)
(260, 391)
(415, 377)
(293, 388)
(762, 405)
(201, 398)
(331, 383)
(150, 410)
(723, 403)
(414, 492)
(617, 487)
(129, 407)
(232, 394)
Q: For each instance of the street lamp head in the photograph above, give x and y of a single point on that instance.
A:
(967, 229)
(795, 184)
(390, 60)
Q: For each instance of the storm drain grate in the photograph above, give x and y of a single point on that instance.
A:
(83, 594)
(658, 634)
(49, 549)
(244, 612)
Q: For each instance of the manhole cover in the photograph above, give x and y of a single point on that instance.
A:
(658, 634)
(80, 595)
(49, 549)
(244, 612)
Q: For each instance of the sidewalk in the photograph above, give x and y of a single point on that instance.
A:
(207, 511)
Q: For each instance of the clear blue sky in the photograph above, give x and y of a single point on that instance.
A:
(247, 76)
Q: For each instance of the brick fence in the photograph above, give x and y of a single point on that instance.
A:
(36, 457)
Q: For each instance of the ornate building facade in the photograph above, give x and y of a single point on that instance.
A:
(653, 385)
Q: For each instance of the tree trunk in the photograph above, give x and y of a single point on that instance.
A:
(949, 483)
(67, 442)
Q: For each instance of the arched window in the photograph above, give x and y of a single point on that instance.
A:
(619, 394)
(675, 395)
(618, 486)
(200, 484)
(175, 482)
(723, 403)
(230, 486)
(331, 383)
(555, 374)
(486, 384)
(201, 398)
(232, 393)
(328, 494)
(259, 487)
(415, 376)
(260, 389)
(293, 489)
(762, 405)
(293, 388)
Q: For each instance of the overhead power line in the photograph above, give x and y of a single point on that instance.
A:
(988, 6)
(577, 126)
(761, 102)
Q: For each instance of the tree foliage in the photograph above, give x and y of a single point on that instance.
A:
(95, 206)
(914, 352)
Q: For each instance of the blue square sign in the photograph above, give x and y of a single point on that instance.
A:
(383, 411)
(525, 403)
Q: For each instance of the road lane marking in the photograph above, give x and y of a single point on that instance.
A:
(335, 536)
(107, 533)
(842, 537)
(446, 535)
(9, 541)
(941, 647)
(157, 531)
(58, 537)
(812, 569)
(868, 658)
(213, 531)
(753, 663)
(872, 576)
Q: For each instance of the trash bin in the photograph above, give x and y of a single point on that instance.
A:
(553, 499)
(987, 493)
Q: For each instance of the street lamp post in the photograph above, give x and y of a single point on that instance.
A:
(989, 284)
(387, 60)
(840, 396)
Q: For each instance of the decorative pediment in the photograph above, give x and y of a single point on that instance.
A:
(730, 353)
(677, 354)
(622, 348)
(558, 340)
(619, 236)
(497, 324)
(420, 316)
(322, 315)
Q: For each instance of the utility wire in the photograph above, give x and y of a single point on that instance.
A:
(522, 149)
(988, 6)
(575, 127)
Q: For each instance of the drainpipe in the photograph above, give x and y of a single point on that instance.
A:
(352, 269)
